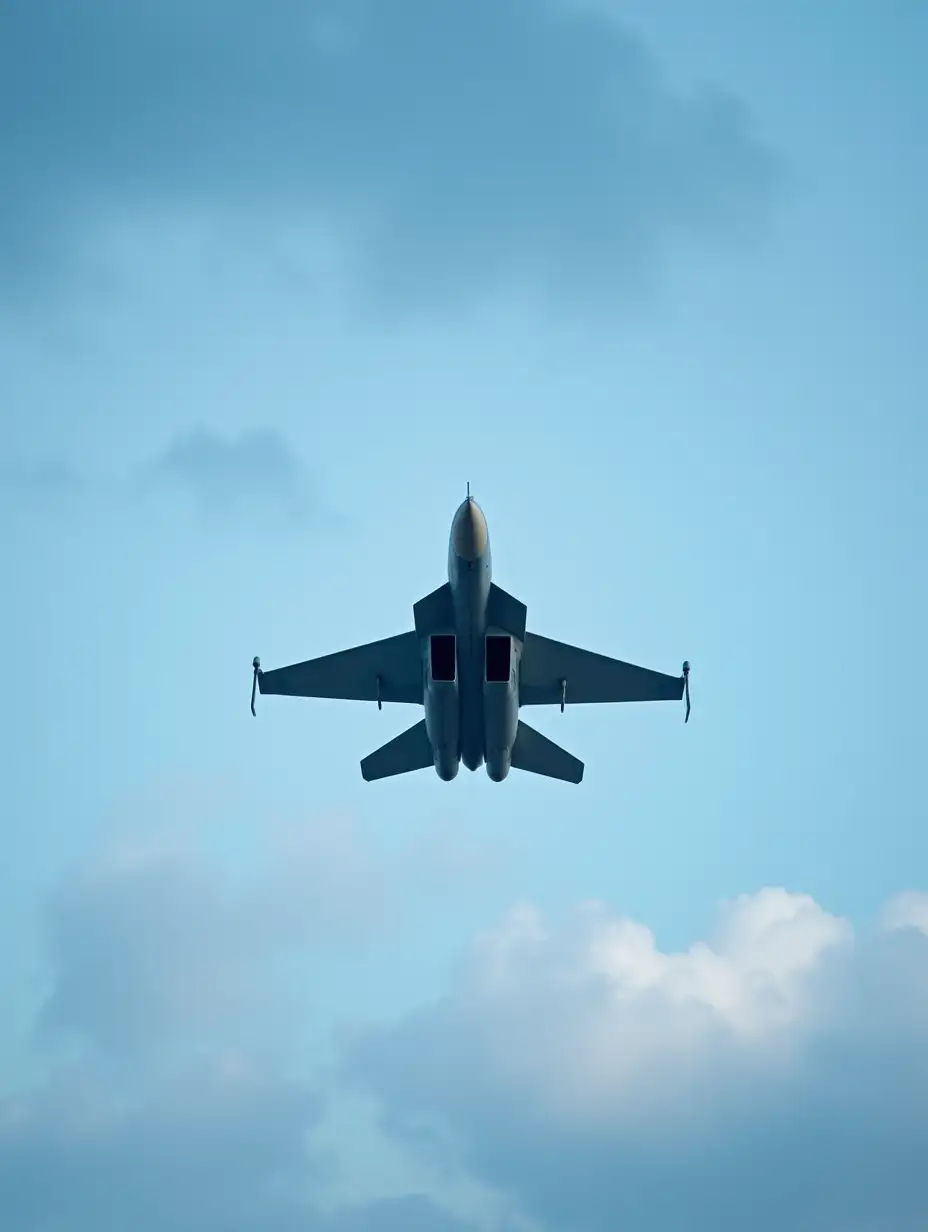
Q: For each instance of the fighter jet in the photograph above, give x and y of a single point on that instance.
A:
(471, 664)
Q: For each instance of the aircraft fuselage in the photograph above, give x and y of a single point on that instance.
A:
(472, 664)
(472, 718)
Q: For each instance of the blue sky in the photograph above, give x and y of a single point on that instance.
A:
(273, 287)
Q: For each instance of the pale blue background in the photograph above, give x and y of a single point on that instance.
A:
(688, 391)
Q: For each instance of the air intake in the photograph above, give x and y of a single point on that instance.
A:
(499, 657)
(442, 657)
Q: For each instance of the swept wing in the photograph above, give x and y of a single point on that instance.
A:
(553, 672)
(389, 670)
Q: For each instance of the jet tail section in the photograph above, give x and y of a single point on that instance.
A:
(538, 755)
(411, 750)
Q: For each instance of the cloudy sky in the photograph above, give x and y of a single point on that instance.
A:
(276, 281)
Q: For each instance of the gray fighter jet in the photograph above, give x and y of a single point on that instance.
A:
(471, 664)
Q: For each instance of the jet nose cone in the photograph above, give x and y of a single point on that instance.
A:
(469, 531)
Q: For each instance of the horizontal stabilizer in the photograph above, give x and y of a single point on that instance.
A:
(538, 755)
(434, 613)
(411, 750)
(506, 613)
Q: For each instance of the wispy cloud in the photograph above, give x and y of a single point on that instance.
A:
(184, 983)
(451, 148)
(223, 480)
(154, 947)
(254, 473)
(46, 481)
(224, 1146)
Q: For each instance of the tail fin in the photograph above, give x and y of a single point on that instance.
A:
(538, 755)
(410, 750)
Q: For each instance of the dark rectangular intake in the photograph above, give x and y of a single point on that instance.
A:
(443, 657)
(499, 658)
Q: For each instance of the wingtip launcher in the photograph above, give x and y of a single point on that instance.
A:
(256, 665)
(686, 688)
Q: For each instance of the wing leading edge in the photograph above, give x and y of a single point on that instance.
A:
(386, 671)
(553, 672)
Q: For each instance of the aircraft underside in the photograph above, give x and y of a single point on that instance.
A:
(471, 664)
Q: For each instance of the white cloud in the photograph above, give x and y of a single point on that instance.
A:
(575, 1076)
(611, 1012)
(579, 1066)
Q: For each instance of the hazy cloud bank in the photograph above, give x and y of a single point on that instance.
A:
(773, 1075)
(439, 149)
